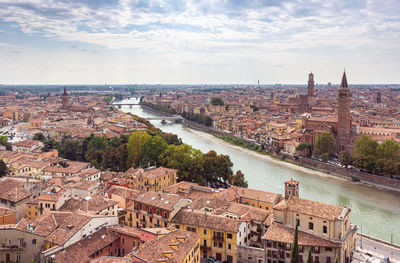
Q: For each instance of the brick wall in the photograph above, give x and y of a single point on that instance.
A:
(250, 254)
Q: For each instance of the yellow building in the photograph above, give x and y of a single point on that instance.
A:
(220, 235)
(278, 128)
(154, 209)
(155, 179)
(7, 216)
(32, 209)
(317, 220)
(35, 123)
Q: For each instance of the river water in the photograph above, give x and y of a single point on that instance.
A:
(376, 211)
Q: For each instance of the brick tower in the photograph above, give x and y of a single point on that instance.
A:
(344, 120)
(310, 88)
(64, 102)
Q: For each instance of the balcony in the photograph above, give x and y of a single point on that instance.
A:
(203, 247)
(218, 239)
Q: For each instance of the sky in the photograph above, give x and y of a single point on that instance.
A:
(199, 41)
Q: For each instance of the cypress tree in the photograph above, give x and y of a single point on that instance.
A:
(309, 257)
(294, 251)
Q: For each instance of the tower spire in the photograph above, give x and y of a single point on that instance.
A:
(344, 81)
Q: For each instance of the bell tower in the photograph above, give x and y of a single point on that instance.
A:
(310, 89)
(64, 102)
(291, 188)
(344, 120)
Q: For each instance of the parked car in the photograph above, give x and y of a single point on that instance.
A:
(212, 260)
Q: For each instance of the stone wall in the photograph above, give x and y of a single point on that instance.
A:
(250, 254)
(351, 173)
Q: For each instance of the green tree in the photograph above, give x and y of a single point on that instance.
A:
(389, 150)
(4, 171)
(238, 179)
(217, 101)
(152, 149)
(39, 137)
(254, 107)
(336, 259)
(188, 162)
(309, 257)
(304, 147)
(107, 99)
(325, 143)
(134, 147)
(294, 250)
(3, 140)
(345, 158)
(365, 153)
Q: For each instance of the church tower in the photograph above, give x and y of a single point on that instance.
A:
(291, 188)
(310, 87)
(344, 120)
(64, 102)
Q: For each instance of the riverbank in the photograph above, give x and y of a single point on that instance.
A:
(302, 164)
(310, 166)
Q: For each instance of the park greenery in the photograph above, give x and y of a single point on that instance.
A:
(216, 101)
(4, 142)
(198, 118)
(159, 107)
(325, 146)
(368, 156)
(254, 107)
(145, 149)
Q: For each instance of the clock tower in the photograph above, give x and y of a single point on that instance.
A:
(344, 119)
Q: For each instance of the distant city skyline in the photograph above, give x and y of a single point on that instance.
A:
(199, 42)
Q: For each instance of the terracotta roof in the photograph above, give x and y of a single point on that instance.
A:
(13, 190)
(47, 224)
(81, 250)
(253, 194)
(111, 260)
(153, 250)
(156, 172)
(312, 208)
(203, 219)
(158, 199)
(94, 204)
(26, 143)
(88, 172)
(282, 233)
(85, 185)
(129, 231)
(71, 168)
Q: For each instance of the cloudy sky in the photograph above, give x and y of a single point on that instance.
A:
(198, 41)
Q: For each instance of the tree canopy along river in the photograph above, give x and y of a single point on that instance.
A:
(378, 211)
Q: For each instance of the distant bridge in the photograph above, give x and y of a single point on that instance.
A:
(164, 119)
(125, 104)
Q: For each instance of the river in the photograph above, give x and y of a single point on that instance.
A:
(377, 211)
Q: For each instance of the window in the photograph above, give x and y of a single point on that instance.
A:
(328, 259)
(205, 232)
(18, 257)
(205, 243)
(229, 236)
(297, 221)
(311, 225)
(33, 241)
(123, 240)
(325, 229)
(229, 246)
(220, 245)
(133, 243)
